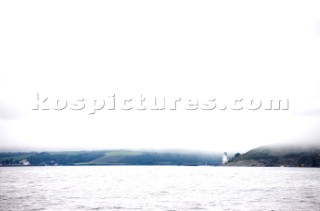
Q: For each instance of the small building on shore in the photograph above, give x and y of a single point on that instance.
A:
(24, 162)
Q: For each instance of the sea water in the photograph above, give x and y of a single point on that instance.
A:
(159, 188)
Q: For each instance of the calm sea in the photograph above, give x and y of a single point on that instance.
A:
(159, 188)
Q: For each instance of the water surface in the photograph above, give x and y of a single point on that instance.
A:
(159, 188)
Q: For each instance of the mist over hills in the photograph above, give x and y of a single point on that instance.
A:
(108, 157)
(292, 155)
(288, 155)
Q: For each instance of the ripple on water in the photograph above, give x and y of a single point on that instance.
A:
(159, 188)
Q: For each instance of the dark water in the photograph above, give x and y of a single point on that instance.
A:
(159, 188)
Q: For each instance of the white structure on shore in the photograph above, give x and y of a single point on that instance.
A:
(24, 162)
(225, 158)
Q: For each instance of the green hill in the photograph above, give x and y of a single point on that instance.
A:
(290, 156)
(109, 157)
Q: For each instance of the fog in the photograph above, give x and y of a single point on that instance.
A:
(73, 50)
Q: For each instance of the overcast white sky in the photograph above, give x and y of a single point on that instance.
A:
(196, 49)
